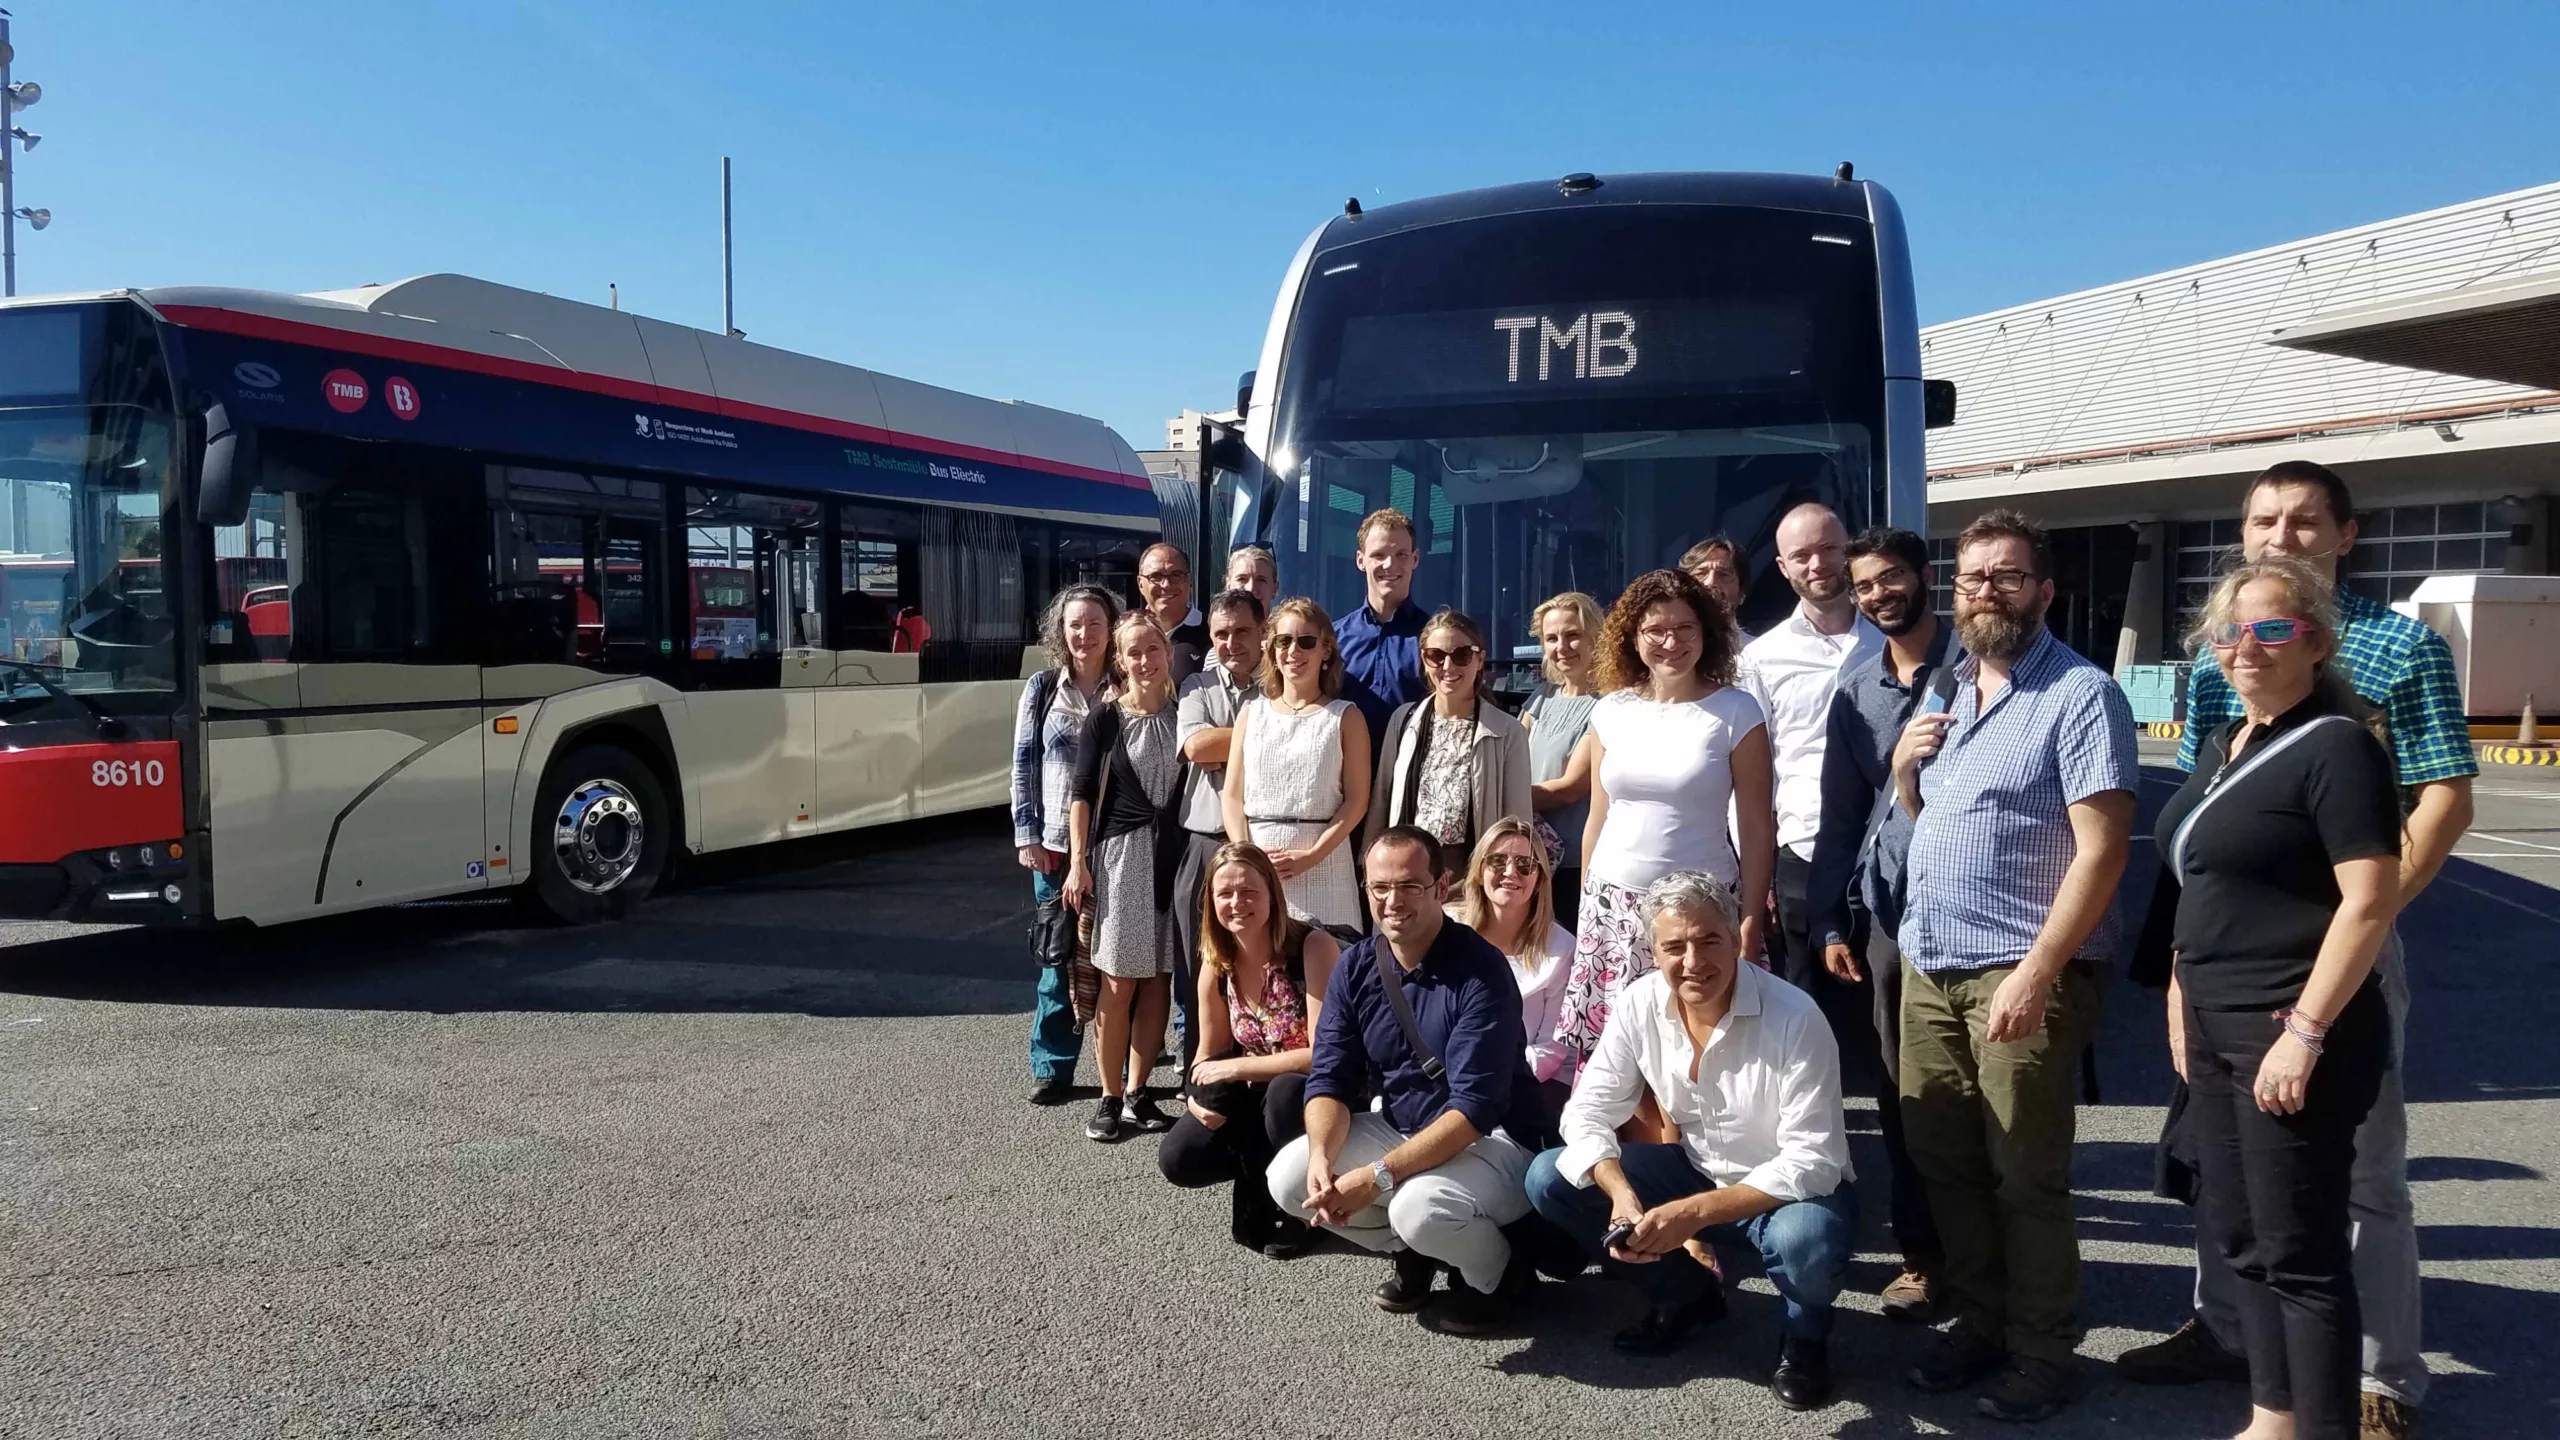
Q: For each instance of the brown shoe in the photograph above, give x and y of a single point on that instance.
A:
(1912, 1297)
(2385, 1418)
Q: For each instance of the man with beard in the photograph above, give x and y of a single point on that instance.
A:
(1855, 887)
(2022, 789)
(1792, 671)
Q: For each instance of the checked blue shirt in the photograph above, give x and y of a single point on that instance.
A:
(1994, 840)
(2396, 664)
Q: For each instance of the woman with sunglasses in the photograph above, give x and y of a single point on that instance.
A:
(1076, 632)
(2285, 844)
(1454, 762)
(1675, 747)
(1508, 897)
(1568, 629)
(1298, 781)
(1262, 979)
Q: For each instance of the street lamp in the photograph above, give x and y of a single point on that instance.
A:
(14, 97)
(36, 219)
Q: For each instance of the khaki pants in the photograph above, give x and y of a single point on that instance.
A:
(1990, 1129)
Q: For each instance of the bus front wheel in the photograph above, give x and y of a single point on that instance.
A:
(600, 833)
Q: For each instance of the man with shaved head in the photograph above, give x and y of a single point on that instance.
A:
(1793, 670)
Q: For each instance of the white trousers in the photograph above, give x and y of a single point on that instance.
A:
(1454, 1213)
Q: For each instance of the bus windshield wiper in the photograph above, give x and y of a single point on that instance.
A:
(108, 725)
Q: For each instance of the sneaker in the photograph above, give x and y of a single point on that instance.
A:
(1803, 1377)
(1053, 1090)
(2189, 1354)
(1403, 1292)
(1666, 1328)
(1105, 1125)
(2028, 1391)
(1144, 1117)
(1912, 1298)
(1959, 1359)
(2385, 1418)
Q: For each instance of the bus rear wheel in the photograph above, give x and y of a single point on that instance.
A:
(601, 827)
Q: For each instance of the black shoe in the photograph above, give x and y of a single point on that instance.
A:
(1145, 1118)
(1803, 1377)
(1403, 1292)
(1290, 1238)
(1105, 1125)
(1666, 1328)
(2189, 1354)
(1053, 1090)
(1959, 1359)
(2028, 1391)
(1466, 1310)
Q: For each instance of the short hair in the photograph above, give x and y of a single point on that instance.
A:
(1696, 555)
(2342, 506)
(2310, 599)
(1390, 515)
(1329, 674)
(1895, 544)
(1621, 668)
(1244, 600)
(1448, 619)
(1166, 545)
(1584, 609)
(1692, 892)
(2011, 525)
(1417, 836)
(1053, 621)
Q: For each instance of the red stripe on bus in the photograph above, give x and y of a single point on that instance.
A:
(381, 347)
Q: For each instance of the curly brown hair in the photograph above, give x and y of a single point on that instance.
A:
(1621, 668)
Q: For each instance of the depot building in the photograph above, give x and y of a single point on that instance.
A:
(2418, 357)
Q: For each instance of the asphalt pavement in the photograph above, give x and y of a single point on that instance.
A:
(757, 1164)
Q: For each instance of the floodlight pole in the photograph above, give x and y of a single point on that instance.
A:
(728, 292)
(8, 173)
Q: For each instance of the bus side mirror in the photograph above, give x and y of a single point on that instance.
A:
(1222, 449)
(1244, 393)
(1937, 404)
(229, 471)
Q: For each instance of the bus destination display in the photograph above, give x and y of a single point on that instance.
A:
(1531, 352)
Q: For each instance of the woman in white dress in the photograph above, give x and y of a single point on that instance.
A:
(1299, 782)
(1674, 747)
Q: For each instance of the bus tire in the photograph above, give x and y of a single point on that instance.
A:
(602, 827)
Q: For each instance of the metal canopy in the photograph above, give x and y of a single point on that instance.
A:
(2507, 331)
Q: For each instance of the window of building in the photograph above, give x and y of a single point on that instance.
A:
(2399, 546)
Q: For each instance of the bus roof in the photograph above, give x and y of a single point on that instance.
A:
(475, 324)
(1819, 194)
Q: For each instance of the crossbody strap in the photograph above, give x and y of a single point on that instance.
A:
(1391, 975)
(2221, 783)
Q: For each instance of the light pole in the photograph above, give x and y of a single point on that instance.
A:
(728, 292)
(14, 97)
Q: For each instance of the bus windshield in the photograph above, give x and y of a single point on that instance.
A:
(1562, 400)
(84, 609)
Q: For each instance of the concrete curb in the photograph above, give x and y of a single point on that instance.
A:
(2516, 755)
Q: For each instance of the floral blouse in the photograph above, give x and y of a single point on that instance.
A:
(1277, 1024)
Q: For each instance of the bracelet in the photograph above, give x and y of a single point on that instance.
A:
(2301, 1028)
(2290, 1014)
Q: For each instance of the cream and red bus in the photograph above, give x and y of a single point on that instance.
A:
(310, 603)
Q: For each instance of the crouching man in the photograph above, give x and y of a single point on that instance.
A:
(1743, 1063)
(1425, 1015)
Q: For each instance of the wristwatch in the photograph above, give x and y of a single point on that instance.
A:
(1382, 1177)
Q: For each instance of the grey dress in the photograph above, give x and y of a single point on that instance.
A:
(1132, 939)
(1561, 722)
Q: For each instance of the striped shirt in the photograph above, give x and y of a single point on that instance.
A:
(2397, 664)
(1993, 840)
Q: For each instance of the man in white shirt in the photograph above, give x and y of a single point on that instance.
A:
(1743, 1065)
(1792, 670)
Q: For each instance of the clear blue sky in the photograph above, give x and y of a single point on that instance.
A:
(1089, 204)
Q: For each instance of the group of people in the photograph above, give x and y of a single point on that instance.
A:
(1500, 996)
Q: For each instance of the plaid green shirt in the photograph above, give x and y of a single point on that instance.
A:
(2396, 664)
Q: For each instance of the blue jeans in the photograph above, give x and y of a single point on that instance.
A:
(1804, 1245)
(1055, 1040)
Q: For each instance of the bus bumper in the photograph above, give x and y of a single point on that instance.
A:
(123, 885)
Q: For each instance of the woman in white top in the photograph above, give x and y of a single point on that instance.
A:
(1299, 780)
(1674, 746)
(1507, 895)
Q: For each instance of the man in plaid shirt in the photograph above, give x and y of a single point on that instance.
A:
(2406, 670)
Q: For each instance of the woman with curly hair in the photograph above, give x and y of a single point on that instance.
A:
(1076, 632)
(1674, 746)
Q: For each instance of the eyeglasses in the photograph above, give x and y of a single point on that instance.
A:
(1463, 655)
(1385, 890)
(1512, 865)
(1160, 577)
(1676, 635)
(2004, 582)
(2278, 631)
(1300, 642)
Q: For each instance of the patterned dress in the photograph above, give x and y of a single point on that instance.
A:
(1273, 1025)
(1132, 939)
(1292, 787)
(1612, 949)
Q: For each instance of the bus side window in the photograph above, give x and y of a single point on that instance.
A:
(577, 571)
(879, 602)
(974, 598)
(751, 576)
(249, 619)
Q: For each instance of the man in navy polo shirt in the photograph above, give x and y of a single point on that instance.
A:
(1381, 640)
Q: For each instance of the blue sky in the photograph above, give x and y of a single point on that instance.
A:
(1090, 204)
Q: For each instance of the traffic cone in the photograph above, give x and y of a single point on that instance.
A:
(2528, 725)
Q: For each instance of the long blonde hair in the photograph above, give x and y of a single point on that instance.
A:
(1583, 608)
(1475, 907)
(1218, 947)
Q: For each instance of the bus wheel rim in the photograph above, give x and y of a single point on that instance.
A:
(598, 836)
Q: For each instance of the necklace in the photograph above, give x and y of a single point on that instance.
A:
(1294, 707)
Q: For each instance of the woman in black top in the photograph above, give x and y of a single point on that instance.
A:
(2286, 845)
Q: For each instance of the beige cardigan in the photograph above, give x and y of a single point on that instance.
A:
(1501, 769)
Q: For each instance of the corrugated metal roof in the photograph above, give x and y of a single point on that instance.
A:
(2182, 357)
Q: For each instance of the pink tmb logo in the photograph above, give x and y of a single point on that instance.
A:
(401, 396)
(345, 390)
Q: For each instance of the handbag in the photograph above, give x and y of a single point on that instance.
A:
(1053, 934)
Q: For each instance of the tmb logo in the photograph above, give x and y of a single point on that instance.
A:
(345, 391)
(400, 396)
(257, 376)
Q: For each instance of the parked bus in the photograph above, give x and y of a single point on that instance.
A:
(1567, 383)
(319, 602)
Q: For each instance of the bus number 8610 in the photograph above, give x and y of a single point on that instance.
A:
(124, 772)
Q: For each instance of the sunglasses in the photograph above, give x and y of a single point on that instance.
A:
(1463, 655)
(1512, 865)
(2278, 631)
(1299, 642)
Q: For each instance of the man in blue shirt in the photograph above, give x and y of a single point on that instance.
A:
(2022, 794)
(1431, 1177)
(1381, 640)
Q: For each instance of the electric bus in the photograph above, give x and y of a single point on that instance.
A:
(1567, 383)
(310, 603)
